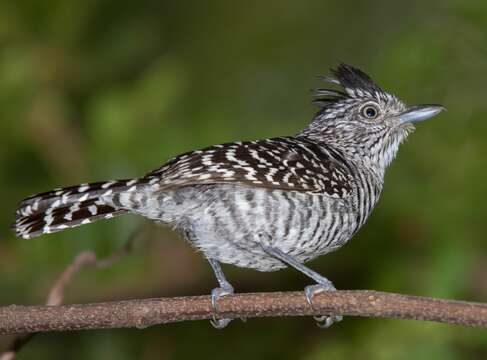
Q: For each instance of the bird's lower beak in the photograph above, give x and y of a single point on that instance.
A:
(419, 113)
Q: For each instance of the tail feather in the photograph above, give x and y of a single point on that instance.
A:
(70, 207)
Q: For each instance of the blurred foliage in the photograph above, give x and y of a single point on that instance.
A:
(91, 90)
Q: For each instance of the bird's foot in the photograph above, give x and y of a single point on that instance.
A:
(216, 294)
(323, 321)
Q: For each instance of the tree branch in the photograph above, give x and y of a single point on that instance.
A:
(148, 312)
(56, 295)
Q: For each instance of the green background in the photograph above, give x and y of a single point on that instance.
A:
(93, 90)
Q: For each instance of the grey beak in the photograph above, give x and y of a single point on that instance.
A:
(419, 113)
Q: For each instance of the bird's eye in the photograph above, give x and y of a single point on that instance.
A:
(370, 111)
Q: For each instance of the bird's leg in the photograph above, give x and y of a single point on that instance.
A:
(225, 289)
(322, 283)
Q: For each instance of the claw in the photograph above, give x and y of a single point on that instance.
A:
(323, 321)
(219, 323)
(216, 294)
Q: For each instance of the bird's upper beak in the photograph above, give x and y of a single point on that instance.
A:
(419, 113)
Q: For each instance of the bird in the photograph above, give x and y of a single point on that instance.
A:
(266, 204)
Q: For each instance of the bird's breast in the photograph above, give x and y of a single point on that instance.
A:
(228, 223)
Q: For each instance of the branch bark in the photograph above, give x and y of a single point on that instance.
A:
(148, 312)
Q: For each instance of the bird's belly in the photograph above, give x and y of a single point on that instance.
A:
(232, 222)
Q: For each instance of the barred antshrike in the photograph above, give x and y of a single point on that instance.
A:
(263, 204)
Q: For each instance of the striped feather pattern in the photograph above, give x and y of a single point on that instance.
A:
(69, 207)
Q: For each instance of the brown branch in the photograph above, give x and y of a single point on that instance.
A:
(55, 298)
(56, 295)
(148, 312)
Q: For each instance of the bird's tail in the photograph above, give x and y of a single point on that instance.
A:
(69, 207)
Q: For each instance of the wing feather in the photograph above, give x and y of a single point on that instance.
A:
(288, 163)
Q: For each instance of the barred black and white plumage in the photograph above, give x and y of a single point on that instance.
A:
(261, 204)
(287, 163)
(66, 208)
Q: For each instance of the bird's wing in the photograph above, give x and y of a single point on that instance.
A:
(280, 163)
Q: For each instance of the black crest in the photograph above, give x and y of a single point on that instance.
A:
(355, 84)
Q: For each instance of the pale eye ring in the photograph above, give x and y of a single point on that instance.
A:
(370, 111)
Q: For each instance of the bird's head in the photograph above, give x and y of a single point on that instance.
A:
(363, 121)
